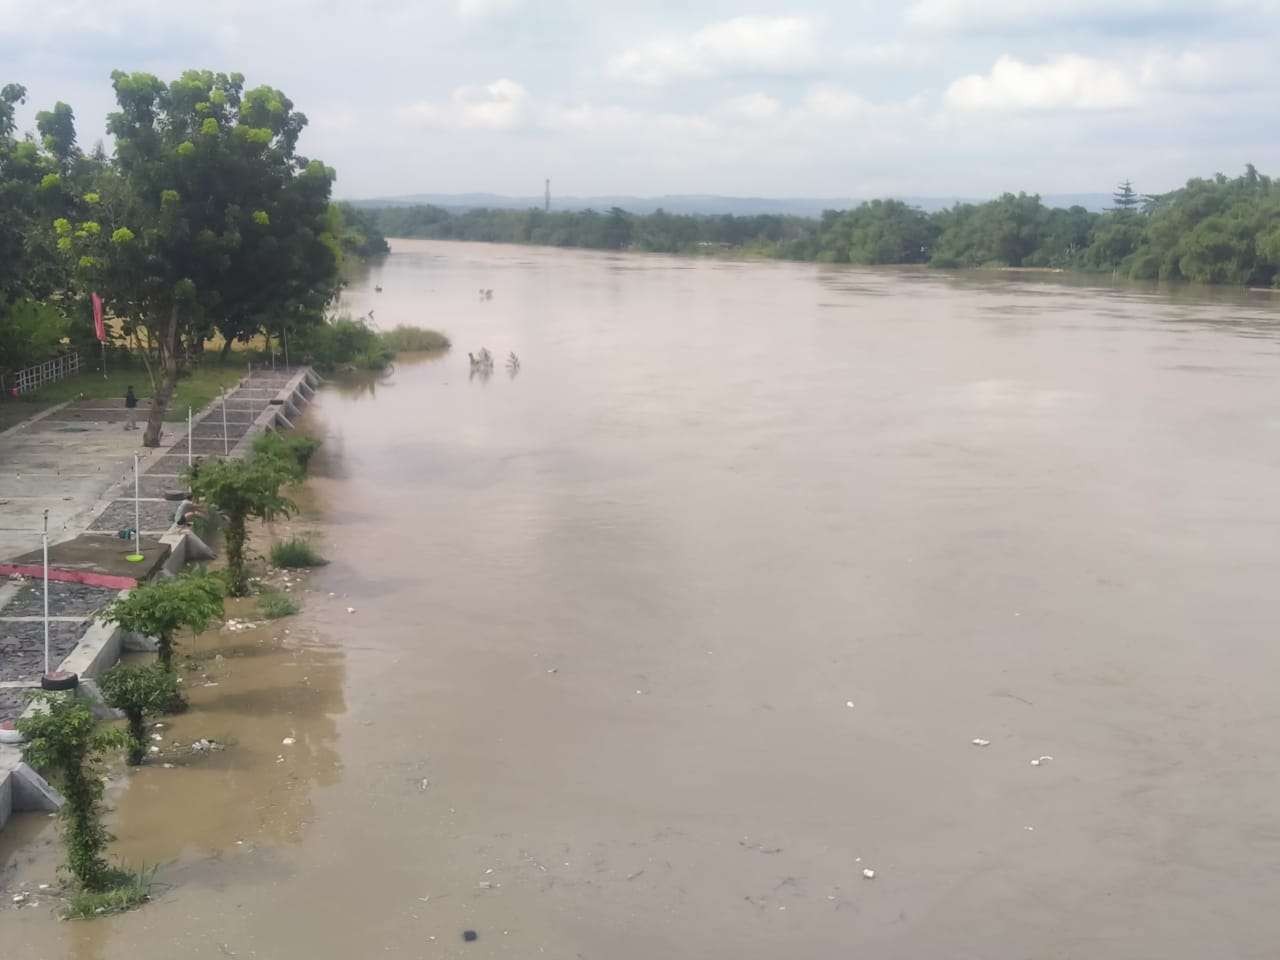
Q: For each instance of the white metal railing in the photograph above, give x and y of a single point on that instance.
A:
(29, 379)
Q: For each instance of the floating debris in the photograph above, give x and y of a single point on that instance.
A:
(979, 742)
(869, 873)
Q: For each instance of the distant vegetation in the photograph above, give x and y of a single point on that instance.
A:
(1219, 230)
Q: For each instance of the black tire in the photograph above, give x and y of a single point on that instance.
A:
(177, 495)
(59, 680)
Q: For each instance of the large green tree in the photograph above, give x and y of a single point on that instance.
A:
(207, 216)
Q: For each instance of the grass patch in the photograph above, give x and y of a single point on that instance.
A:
(404, 339)
(125, 889)
(295, 552)
(196, 389)
(274, 604)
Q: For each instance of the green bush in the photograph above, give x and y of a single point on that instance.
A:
(342, 342)
(139, 692)
(295, 552)
(293, 448)
(64, 740)
(160, 609)
(404, 339)
(273, 605)
(239, 490)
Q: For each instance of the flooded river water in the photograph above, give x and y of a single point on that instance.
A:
(662, 642)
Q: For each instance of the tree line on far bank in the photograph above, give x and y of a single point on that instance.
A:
(1217, 230)
(204, 220)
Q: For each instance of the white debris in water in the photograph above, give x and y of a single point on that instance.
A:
(44, 886)
(1040, 760)
(155, 749)
(849, 704)
(288, 741)
(158, 737)
(869, 873)
(168, 766)
(424, 784)
(979, 742)
(351, 609)
(19, 898)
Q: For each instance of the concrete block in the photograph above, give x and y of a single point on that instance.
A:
(32, 793)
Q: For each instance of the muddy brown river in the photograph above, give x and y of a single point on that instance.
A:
(660, 643)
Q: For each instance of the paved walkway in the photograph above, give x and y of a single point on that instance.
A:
(77, 461)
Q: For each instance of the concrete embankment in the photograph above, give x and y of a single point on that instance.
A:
(78, 457)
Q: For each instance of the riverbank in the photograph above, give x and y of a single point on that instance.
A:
(86, 566)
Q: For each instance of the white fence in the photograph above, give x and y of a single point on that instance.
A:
(24, 381)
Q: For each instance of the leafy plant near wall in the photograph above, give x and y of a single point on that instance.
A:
(140, 692)
(242, 490)
(294, 449)
(64, 740)
(162, 608)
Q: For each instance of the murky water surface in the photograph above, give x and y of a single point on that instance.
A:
(611, 613)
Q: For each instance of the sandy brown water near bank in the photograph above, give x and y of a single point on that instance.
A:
(609, 614)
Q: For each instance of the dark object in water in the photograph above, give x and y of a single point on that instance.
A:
(469, 935)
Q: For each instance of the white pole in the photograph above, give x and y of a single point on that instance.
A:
(225, 450)
(188, 438)
(45, 541)
(137, 511)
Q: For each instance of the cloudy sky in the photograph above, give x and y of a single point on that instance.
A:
(844, 98)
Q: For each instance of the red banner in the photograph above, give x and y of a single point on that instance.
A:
(98, 326)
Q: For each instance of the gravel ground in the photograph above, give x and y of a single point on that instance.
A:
(155, 515)
(65, 599)
(13, 700)
(22, 647)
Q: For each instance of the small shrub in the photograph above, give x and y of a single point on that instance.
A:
(160, 609)
(341, 341)
(295, 552)
(404, 339)
(273, 605)
(124, 890)
(139, 692)
(295, 450)
(64, 740)
(241, 489)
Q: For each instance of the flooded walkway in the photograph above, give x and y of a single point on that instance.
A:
(660, 644)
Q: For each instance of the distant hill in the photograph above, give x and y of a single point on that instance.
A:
(709, 205)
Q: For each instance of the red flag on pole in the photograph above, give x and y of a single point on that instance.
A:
(98, 326)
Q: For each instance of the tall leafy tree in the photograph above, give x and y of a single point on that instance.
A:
(207, 216)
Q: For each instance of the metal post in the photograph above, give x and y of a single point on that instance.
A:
(225, 449)
(45, 541)
(285, 330)
(188, 438)
(137, 511)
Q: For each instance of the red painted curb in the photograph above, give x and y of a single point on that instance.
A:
(87, 577)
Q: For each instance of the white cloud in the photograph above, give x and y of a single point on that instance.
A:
(501, 105)
(753, 106)
(1068, 82)
(743, 45)
(1018, 16)
(483, 9)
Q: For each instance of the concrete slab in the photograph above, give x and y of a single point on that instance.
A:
(60, 467)
(97, 553)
